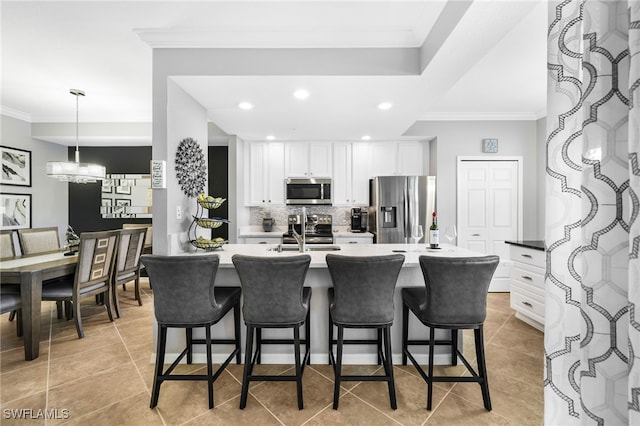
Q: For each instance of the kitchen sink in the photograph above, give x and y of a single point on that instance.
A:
(323, 248)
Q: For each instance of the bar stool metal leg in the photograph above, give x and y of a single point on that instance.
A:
(248, 366)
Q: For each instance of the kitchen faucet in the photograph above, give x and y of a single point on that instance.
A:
(300, 239)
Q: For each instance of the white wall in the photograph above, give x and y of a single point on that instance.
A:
(49, 197)
(456, 138)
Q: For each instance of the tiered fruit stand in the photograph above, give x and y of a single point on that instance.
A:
(200, 220)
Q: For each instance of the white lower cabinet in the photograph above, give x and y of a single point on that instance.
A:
(527, 284)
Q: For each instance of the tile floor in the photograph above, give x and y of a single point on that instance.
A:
(106, 377)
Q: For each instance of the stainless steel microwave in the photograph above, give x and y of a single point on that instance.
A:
(308, 191)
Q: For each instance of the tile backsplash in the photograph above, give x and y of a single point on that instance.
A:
(341, 215)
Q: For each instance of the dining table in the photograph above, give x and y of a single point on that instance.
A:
(29, 272)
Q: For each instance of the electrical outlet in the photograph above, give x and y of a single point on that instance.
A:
(178, 212)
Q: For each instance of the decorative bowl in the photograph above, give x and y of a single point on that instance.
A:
(213, 204)
(211, 223)
(208, 244)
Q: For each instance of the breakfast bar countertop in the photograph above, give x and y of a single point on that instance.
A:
(412, 252)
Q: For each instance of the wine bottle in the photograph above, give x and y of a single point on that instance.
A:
(434, 233)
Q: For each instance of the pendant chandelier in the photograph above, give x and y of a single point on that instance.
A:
(75, 172)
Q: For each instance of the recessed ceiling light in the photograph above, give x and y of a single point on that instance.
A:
(366, 138)
(271, 137)
(384, 105)
(245, 105)
(301, 94)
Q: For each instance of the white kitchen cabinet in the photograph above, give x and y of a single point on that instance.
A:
(527, 284)
(384, 158)
(308, 159)
(265, 168)
(410, 159)
(397, 158)
(350, 183)
(365, 238)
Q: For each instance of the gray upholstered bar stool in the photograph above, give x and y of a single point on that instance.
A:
(454, 298)
(184, 296)
(362, 297)
(274, 297)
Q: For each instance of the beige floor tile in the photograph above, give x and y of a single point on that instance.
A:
(25, 411)
(71, 344)
(280, 398)
(96, 391)
(23, 382)
(528, 343)
(411, 394)
(516, 324)
(132, 411)
(352, 411)
(228, 414)
(13, 359)
(515, 364)
(455, 411)
(86, 363)
(518, 401)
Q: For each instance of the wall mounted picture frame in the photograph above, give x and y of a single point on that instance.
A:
(16, 166)
(126, 190)
(15, 210)
(121, 204)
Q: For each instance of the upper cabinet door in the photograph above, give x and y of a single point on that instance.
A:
(341, 187)
(297, 159)
(360, 173)
(384, 158)
(308, 159)
(265, 185)
(275, 192)
(320, 159)
(410, 159)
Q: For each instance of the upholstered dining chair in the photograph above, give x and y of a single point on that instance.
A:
(274, 297)
(39, 240)
(93, 276)
(454, 298)
(7, 246)
(362, 297)
(10, 301)
(127, 268)
(184, 296)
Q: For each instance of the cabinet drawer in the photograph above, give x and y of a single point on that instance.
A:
(529, 277)
(529, 304)
(527, 255)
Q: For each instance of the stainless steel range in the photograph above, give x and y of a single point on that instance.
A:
(317, 230)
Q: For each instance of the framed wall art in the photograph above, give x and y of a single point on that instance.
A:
(16, 166)
(16, 210)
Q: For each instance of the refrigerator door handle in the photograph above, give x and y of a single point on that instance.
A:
(407, 213)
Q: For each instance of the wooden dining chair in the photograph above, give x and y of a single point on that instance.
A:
(96, 259)
(127, 268)
(39, 240)
(7, 246)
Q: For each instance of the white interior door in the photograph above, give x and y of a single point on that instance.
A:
(490, 210)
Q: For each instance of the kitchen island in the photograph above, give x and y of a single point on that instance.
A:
(319, 279)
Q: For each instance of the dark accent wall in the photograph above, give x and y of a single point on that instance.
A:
(85, 199)
(219, 186)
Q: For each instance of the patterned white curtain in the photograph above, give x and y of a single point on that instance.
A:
(592, 318)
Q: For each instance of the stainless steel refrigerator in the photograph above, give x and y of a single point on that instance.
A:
(398, 205)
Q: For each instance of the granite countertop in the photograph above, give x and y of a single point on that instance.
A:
(532, 244)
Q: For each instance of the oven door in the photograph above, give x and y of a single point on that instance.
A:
(308, 191)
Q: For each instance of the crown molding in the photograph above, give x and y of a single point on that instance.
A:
(14, 113)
